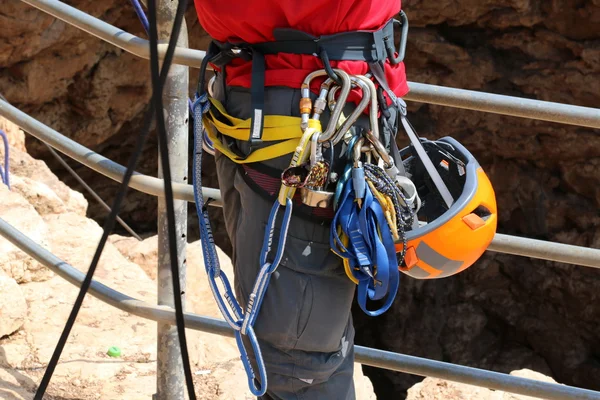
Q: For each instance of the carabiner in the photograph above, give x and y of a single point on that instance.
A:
(380, 149)
(374, 104)
(339, 134)
(301, 155)
(306, 102)
(329, 132)
(356, 152)
(316, 149)
(321, 101)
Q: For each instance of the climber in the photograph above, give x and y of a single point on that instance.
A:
(305, 327)
(348, 218)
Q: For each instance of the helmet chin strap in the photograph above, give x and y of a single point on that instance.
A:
(378, 73)
(435, 175)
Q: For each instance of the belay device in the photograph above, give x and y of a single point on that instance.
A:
(427, 211)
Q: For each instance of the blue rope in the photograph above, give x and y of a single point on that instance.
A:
(141, 15)
(208, 144)
(241, 322)
(4, 173)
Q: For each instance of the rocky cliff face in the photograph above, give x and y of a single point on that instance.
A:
(504, 313)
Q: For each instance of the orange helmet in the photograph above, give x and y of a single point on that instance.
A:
(448, 239)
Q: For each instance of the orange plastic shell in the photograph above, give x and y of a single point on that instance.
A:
(462, 239)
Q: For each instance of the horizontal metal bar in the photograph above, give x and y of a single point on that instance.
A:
(470, 376)
(143, 183)
(432, 94)
(504, 105)
(113, 35)
(501, 243)
(368, 356)
(91, 191)
(544, 250)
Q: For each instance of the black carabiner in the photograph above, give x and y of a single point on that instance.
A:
(389, 42)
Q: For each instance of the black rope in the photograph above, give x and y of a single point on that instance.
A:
(155, 103)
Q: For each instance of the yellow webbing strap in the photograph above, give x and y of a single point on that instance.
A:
(275, 127)
(283, 129)
(388, 210)
(265, 153)
(345, 242)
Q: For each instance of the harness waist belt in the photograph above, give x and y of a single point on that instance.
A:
(353, 45)
(372, 47)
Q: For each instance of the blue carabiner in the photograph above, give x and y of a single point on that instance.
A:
(261, 389)
(270, 232)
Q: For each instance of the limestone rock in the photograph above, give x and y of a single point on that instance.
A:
(12, 386)
(16, 137)
(16, 211)
(144, 253)
(26, 167)
(39, 195)
(13, 308)
(526, 373)
(434, 389)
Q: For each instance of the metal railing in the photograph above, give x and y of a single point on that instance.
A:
(501, 243)
(364, 355)
(458, 98)
(506, 105)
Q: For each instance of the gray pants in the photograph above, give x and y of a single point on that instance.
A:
(304, 326)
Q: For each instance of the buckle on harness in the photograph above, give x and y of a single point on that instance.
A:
(241, 148)
(389, 41)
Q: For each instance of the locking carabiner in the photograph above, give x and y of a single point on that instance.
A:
(321, 101)
(306, 102)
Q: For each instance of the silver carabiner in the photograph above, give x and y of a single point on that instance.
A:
(374, 104)
(321, 101)
(306, 102)
(316, 149)
(362, 105)
(380, 150)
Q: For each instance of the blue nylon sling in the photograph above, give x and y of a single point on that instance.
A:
(370, 247)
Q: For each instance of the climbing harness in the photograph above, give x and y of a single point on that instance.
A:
(4, 172)
(263, 134)
(427, 210)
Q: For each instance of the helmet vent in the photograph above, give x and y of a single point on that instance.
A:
(482, 212)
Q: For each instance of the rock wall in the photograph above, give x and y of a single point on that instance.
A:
(504, 313)
(509, 312)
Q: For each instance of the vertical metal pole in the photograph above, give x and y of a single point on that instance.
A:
(170, 379)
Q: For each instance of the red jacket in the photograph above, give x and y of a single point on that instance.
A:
(253, 21)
